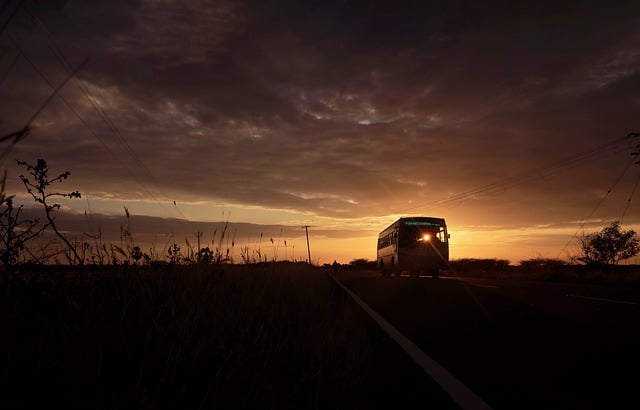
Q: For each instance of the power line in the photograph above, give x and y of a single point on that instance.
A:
(523, 178)
(11, 65)
(19, 135)
(584, 221)
(101, 113)
(529, 176)
(634, 154)
(13, 13)
(635, 186)
(604, 197)
(87, 93)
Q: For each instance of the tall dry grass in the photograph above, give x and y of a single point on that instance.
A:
(277, 335)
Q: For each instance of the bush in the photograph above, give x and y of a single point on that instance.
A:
(472, 265)
(541, 264)
(609, 246)
(362, 263)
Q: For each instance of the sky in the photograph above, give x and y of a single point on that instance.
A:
(508, 119)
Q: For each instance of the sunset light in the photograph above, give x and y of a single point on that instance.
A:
(189, 126)
(303, 204)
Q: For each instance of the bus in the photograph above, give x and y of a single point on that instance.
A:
(414, 245)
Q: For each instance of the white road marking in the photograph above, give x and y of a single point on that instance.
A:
(621, 302)
(460, 393)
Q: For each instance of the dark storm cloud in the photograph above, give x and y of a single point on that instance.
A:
(335, 108)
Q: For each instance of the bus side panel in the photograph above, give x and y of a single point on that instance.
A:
(387, 255)
(387, 259)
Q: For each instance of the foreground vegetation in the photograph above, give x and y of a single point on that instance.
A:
(244, 336)
(264, 335)
(177, 338)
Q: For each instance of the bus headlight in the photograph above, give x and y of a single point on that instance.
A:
(426, 237)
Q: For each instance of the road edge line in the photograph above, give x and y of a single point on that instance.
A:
(460, 393)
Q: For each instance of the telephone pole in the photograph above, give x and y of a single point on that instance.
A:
(306, 229)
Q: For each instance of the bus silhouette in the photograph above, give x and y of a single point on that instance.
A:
(414, 245)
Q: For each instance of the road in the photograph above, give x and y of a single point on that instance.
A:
(516, 344)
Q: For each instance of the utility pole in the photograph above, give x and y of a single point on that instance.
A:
(306, 229)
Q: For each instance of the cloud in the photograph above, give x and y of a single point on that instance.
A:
(330, 109)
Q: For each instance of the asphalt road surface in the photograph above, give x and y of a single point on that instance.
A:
(515, 344)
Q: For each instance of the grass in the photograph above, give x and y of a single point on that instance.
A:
(264, 335)
(280, 335)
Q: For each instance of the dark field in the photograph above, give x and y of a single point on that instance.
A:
(256, 336)
(279, 335)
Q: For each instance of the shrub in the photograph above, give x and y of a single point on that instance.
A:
(609, 246)
(472, 265)
(541, 264)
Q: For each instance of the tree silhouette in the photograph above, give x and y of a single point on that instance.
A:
(609, 246)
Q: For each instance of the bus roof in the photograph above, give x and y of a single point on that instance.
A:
(418, 221)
